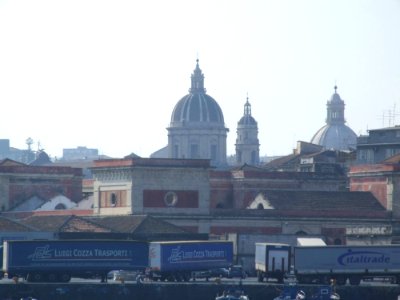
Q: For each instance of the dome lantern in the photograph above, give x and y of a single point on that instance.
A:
(335, 134)
(197, 80)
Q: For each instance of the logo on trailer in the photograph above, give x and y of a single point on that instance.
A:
(363, 257)
(41, 253)
(176, 255)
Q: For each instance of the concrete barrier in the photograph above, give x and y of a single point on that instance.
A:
(172, 291)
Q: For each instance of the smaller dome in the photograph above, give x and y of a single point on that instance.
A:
(41, 159)
(247, 120)
(338, 137)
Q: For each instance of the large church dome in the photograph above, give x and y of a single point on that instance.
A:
(197, 107)
(197, 129)
(338, 137)
(335, 134)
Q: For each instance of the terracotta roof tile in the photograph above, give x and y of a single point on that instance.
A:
(322, 200)
(7, 224)
(64, 223)
(136, 224)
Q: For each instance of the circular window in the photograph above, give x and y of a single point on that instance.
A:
(170, 199)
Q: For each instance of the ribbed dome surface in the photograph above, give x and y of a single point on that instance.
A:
(197, 107)
(247, 120)
(338, 137)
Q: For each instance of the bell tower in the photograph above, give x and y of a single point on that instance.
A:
(247, 144)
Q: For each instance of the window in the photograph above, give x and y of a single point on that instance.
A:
(254, 157)
(239, 157)
(390, 152)
(194, 151)
(213, 151)
(113, 200)
(170, 199)
(366, 155)
(176, 151)
(60, 206)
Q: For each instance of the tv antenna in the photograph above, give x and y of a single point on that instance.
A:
(389, 117)
(29, 142)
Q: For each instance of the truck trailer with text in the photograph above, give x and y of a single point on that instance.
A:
(59, 260)
(178, 260)
(322, 264)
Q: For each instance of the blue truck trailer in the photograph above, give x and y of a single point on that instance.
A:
(59, 260)
(177, 260)
(1, 262)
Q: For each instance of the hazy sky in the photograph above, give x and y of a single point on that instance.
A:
(107, 74)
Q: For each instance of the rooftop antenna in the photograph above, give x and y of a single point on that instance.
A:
(29, 142)
(390, 117)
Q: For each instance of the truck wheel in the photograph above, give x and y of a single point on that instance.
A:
(354, 280)
(29, 277)
(65, 277)
(260, 277)
(325, 279)
(52, 277)
(341, 280)
(37, 277)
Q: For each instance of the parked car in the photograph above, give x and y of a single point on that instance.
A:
(236, 271)
(122, 275)
(217, 273)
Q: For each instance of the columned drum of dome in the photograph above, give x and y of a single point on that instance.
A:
(197, 128)
(335, 134)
